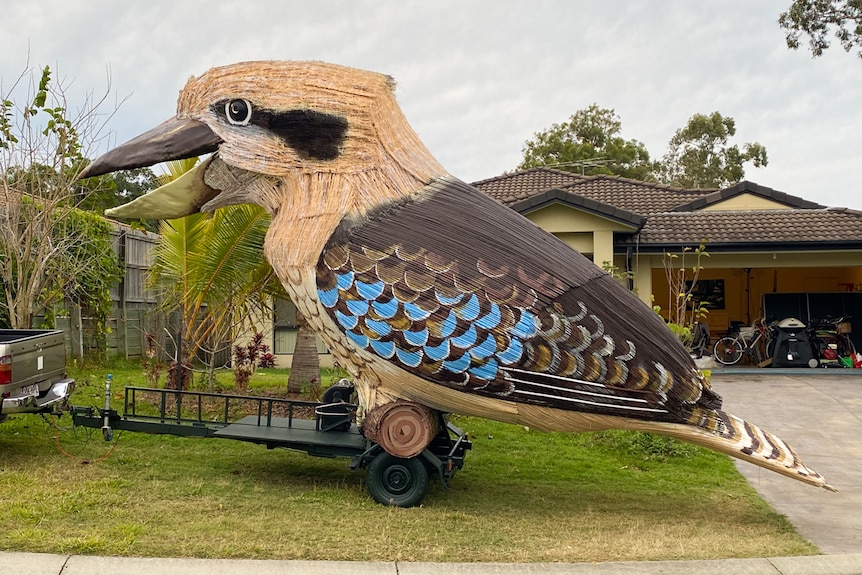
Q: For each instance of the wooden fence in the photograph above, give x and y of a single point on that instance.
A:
(135, 313)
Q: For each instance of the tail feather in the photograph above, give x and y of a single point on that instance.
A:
(710, 428)
(734, 436)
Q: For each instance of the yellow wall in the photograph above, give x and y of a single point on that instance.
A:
(558, 218)
(579, 241)
(589, 234)
(747, 202)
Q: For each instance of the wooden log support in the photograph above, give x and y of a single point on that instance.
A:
(402, 428)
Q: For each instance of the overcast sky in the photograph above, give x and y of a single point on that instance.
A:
(476, 79)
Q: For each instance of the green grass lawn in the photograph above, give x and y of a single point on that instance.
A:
(523, 496)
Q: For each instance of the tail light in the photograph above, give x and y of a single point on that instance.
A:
(5, 370)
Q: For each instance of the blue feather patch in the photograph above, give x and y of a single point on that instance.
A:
(512, 353)
(458, 365)
(491, 319)
(484, 349)
(329, 297)
(470, 310)
(384, 349)
(439, 352)
(357, 306)
(344, 280)
(415, 312)
(385, 310)
(346, 321)
(466, 339)
(359, 339)
(370, 291)
(409, 358)
(449, 324)
(449, 301)
(416, 337)
(526, 326)
(487, 371)
(381, 328)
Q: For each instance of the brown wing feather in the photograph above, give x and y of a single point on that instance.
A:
(452, 260)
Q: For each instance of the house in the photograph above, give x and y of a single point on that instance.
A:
(770, 254)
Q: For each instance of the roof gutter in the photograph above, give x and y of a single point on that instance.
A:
(832, 246)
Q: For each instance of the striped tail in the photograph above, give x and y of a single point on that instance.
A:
(736, 437)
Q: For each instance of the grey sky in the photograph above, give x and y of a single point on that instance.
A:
(477, 79)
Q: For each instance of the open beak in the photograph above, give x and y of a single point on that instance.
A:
(173, 139)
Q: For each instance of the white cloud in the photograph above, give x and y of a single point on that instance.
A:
(476, 79)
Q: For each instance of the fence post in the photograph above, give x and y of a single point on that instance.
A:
(122, 338)
(76, 329)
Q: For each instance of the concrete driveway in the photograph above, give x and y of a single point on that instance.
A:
(820, 415)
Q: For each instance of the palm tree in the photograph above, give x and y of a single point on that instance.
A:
(306, 363)
(211, 269)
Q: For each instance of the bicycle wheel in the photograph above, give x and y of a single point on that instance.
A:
(727, 350)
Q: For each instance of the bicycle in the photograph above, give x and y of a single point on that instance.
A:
(752, 342)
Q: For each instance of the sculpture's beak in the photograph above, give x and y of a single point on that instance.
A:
(171, 140)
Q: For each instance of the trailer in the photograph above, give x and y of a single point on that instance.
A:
(320, 429)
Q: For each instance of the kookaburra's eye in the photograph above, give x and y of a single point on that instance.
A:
(238, 112)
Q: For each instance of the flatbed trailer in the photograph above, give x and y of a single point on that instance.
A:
(320, 429)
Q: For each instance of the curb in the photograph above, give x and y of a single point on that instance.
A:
(15, 563)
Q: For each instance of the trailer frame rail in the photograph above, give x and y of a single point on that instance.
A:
(318, 429)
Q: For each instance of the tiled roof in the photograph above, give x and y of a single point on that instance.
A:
(746, 187)
(633, 195)
(517, 186)
(668, 217)
(580, 202)
(834, 227)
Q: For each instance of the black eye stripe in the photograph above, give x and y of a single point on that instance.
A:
(314, 135)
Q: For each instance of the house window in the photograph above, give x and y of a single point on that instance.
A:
(284, 328)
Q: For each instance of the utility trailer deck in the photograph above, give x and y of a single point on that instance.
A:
(302, 432)
(324, 429)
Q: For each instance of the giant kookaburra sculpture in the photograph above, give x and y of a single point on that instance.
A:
(429, 293)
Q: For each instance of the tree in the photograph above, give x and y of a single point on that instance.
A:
(305, 367)
(699, 155)
(589, 143)
(817, 18)
(210, 268)
(117, 188)
(48, 247)
(683, 312)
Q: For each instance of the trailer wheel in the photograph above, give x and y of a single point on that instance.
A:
(396, 481)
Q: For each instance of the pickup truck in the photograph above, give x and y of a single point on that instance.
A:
(33, 371)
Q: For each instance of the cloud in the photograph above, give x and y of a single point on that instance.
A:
(477, 79)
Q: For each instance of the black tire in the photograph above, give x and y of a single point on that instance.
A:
(727, 350)
(395, 481)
